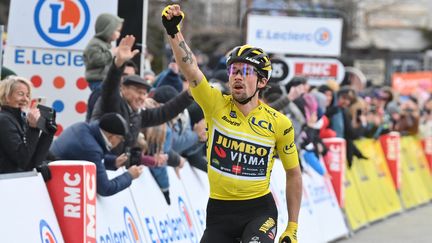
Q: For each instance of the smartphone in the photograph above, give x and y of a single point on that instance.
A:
(38, 101)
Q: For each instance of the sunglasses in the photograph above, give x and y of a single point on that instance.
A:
(245, 70)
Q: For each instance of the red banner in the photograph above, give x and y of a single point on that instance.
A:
(427, 148)
(390, 144)
(334, 161)
(72, 190)
(411, 83)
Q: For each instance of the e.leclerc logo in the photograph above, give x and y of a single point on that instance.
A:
(46, 234)
(187, 219)
(131, 227)
(322, 36)
(62, 23)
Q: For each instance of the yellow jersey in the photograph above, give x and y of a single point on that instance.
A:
(241, 149)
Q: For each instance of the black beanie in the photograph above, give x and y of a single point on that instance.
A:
(114, 123)
(163, 94)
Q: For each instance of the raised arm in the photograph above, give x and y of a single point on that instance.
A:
(171, 19)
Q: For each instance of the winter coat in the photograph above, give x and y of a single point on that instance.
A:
(84, 141)
(20, 144)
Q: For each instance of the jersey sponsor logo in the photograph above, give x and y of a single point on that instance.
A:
(261, 127)
(239, 157)
(286, 131)
(289, 149)
(271, 112)
(231, 122)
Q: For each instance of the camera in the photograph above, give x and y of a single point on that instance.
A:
(47, 122)
(134, 157)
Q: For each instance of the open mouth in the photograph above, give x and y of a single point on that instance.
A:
(238, 86)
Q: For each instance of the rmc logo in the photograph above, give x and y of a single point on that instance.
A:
(62, 23)
(131, 226)
(46, 234)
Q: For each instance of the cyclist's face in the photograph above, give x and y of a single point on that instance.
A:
(242, 80)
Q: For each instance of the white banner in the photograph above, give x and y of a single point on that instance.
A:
(57, 75)
(27, 214)
(55, 24)
(163, 222)
(117, 219)
(295, 35)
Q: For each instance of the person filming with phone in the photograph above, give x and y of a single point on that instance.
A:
(26, 132)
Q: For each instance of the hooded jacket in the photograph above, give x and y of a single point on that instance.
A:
(97, 54)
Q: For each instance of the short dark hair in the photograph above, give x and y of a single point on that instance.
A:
(130, 63)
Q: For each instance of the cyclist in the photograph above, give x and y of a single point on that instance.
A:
(244, 135)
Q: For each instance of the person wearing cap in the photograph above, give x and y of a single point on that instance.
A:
(92, 142)
(244, 135)
(127, 98)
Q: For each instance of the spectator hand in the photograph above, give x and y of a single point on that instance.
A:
(200, 129)
(121, 160)
(181, 164)
(33, 116)
(135, 171)
(160, 159)
(171, 18)
(124, 50)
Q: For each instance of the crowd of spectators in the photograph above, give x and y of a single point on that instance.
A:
(151, 120)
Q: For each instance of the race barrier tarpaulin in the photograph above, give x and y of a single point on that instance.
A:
(390, 144)
(373, 180)
(27, 214)
(320, 219)
(72, 190)
(427, 148)
(414, 189)
(353, 208)
(334, 162)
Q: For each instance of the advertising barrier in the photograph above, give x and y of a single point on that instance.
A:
(334, 161)
(390, 144)
(414, 189)
(27, 214)
(117, 218)
(45, 43)
(427, 148)
(353, 207)
(374, 182)
(72, 190)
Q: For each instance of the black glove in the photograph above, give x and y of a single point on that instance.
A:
(45, 171)
(172, 26)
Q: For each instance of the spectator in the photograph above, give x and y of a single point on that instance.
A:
(128, 98)
(91, 142)
(6, 72)
(149, 76)
(99, 53)
(425, 127)
(129, 69)
(22, 144)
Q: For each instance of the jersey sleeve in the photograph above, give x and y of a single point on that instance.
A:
(285, 144)
(205, 95)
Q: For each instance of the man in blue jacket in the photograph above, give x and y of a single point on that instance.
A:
(91, 142)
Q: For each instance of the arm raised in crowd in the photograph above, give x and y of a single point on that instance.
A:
(111, 86)
(166, 112)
